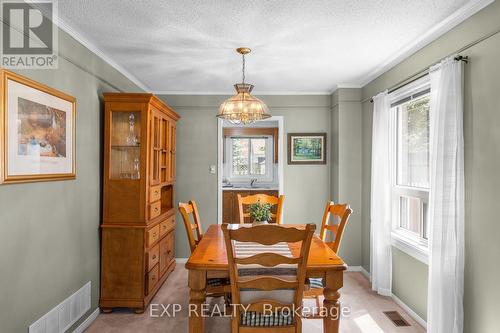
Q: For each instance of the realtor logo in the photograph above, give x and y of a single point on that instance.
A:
(29, 34)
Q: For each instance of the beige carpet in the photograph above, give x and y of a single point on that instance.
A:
(366, 312)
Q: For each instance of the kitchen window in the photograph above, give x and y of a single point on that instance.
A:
(411, 169)
(249, 158)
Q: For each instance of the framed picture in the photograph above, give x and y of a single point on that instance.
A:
(306, 148)
(37, 131)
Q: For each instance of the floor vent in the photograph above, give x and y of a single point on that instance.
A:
(396, 318)
(64, 315)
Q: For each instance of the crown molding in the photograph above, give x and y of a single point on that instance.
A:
(230, 93)
(346, 86)
(431, 35)
(99, 52)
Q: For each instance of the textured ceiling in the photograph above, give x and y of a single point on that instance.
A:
(297, 46)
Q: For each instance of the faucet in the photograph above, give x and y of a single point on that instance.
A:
(253, 181)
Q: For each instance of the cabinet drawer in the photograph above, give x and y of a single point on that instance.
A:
(154, 193)
(153, 235)
(153, 256)
(166, 251)
(153, 277)
(167, 225)
(154, 209)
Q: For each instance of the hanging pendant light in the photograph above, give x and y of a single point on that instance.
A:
(243, 108)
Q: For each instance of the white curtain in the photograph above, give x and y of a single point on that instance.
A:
(381, 260)
(446, 201)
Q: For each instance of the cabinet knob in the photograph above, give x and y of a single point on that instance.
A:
(154, 256)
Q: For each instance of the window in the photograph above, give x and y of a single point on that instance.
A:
(250, 157)
(411, 168)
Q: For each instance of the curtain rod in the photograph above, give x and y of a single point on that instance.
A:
(425, 71)
(416, 77)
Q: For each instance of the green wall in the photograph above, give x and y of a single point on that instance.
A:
(407, 281)
(49, 231)
(482, 164)
(346, 167)
(306, 187)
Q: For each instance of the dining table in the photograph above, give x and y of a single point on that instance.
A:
(210, 258)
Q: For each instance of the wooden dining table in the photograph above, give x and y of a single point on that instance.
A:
(210, 258)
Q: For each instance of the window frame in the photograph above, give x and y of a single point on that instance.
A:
(268, 176)
(416, 245)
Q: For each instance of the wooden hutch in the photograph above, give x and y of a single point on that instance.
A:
(137, 243)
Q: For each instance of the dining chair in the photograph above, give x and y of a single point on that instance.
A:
(340, 213)
(216, 286)
(187, 209)
(267, 281)
(262, 198)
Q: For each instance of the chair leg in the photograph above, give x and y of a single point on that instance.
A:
(318, 304)
(298, 325)
(234, 323)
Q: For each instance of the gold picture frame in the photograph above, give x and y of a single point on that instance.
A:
(37, 131)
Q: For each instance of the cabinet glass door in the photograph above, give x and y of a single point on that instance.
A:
(164, 160)
(125, 145)
(172, 151)
(155, 147)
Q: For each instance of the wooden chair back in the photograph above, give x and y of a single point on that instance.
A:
(269, 234)
(187, 209)
(341, 213)
(262, 198)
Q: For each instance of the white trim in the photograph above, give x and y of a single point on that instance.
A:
(360, 269)
(220, 165)
(410, 247)
(268, 177)
(346, 86)
(366, 274)
(100, 53)
(281, 157)
(426, 38)
(409, 311)
(231, 92)
(181, 260)
(354, 268)
(87, 322)
(281, 147)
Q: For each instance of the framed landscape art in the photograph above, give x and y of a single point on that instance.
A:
(306, 148)
(37, 131)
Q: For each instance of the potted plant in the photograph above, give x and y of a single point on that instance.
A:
(260, 213)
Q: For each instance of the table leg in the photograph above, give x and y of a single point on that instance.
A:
(197, 284)
(334, 281)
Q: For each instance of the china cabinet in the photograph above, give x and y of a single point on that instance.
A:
(137, 241)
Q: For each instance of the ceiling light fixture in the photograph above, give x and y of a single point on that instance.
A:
(243, 108)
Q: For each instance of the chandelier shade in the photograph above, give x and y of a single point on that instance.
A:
(243, 108)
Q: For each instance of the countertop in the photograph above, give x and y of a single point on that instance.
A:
(250, 189)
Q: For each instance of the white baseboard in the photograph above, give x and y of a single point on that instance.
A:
(86, 323)
(181, 260)
(409, 311)
(354, 268)
(366, 274)
(359, 269)
(399, 302)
